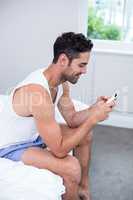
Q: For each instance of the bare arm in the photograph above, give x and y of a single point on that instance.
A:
(66, 108)
(50, 131)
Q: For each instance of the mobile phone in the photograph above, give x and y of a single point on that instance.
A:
(113, 98)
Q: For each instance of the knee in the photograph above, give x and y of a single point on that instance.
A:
(73, 169)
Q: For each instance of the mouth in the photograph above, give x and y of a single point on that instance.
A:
(78, 76)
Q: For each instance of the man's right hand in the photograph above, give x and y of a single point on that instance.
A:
(100, 110)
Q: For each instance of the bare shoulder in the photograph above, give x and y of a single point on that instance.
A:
(39, 101)
(29, 98)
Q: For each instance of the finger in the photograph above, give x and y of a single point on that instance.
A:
(109, 109)
(103, 98)
(111, 103)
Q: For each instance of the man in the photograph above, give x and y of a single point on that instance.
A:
(32, 103)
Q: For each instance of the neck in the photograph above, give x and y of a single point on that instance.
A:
(53, 75)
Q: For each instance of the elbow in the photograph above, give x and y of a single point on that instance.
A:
(59, 153)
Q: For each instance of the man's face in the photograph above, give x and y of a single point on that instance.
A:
(77, 67)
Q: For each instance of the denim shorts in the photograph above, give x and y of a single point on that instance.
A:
(14, 152)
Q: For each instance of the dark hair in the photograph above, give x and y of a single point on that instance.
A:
(72, 45)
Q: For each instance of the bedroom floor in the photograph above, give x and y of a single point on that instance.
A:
(111, 172)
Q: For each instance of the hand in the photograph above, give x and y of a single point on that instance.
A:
(100, 110)
(105, 99)
(102, 98)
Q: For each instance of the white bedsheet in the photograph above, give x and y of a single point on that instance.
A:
(21, 182)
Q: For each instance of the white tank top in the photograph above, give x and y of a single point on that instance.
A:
(15, 129)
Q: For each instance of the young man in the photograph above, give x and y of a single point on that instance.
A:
(33, 133)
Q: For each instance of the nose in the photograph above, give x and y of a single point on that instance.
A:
(84, 70)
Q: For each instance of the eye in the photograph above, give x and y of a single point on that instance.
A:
(81, 65)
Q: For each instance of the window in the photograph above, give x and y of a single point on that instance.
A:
(110, 20)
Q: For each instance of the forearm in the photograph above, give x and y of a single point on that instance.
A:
(67, 109)
(69, 141)
(73, 118)
(80, 117)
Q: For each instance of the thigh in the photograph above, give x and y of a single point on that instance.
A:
(44, 159)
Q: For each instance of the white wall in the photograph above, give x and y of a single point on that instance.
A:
(114, 72)
(28, 29)
(108, 73)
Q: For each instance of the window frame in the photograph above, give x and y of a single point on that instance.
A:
(105, 46)
(111, 46)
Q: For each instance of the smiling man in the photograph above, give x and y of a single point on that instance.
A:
(33, 135)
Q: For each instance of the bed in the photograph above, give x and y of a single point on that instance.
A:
(21, 182)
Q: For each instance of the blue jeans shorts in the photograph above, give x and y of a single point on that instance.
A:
(14, 152)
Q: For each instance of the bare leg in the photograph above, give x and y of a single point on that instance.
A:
(68, 168)
(83, 153)
(83, 150)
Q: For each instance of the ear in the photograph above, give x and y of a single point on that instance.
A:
(63, 60)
